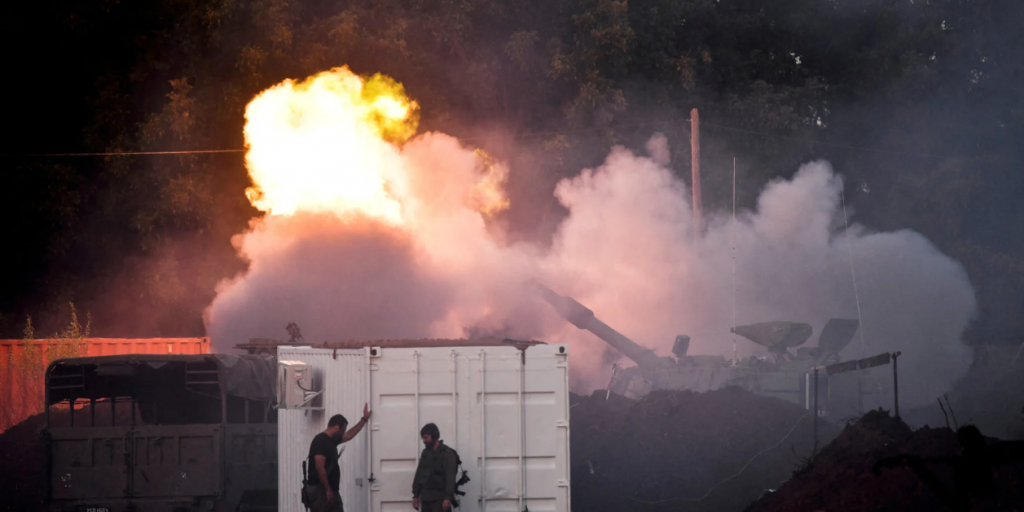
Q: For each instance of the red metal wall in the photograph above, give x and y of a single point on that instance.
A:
(21, 388)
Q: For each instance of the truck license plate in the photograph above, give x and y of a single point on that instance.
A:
(97, 509)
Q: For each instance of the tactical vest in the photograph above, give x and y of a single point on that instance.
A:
(436, 479)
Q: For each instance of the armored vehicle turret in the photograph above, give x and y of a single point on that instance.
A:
(784, 375)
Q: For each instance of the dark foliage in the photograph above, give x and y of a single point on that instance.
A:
(931, 89)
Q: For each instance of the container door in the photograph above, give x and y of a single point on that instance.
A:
(496, 430)
(409, 388)
(89, 462)
(342, 376)
(509, 423)
(521, 415)
(176, 460)
(546, 411)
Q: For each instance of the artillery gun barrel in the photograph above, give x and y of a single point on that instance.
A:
(583, 318)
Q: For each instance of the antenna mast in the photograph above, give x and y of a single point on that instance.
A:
(695, 170)
(853, 273)
(733, 236)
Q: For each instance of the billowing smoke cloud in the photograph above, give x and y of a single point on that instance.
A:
(627, 251)
(337, 278)
(438, 273)
(426, 263)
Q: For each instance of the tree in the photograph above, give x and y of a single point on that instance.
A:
(916, 103)
(27, 366)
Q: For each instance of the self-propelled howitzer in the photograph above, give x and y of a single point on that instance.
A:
(695, 373)
(782, 374)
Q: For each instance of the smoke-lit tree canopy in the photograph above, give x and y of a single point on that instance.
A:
(916, 104)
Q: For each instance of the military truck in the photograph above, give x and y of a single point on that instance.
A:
(161, 433)
(781, 374)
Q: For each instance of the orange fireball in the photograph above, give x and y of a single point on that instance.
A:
(330, 144)
(325, 144)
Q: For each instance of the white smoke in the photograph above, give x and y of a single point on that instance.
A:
(626, 250)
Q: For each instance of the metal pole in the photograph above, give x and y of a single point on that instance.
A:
(853, 275)
(367, 369)
(896, 384)
(524, 499)
(522, 434)
(807, 391)
(695, 170)
(483, 430)
(455, 399)
(416, 403)
(815, 452)
(732, 236)
(611, 381)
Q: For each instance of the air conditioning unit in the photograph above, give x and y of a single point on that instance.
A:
(295, 385)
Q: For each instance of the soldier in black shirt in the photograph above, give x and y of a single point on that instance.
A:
(433, 487)
(323, 460)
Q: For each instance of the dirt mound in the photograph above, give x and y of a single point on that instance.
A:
(679, 450)
(21, 472)
(840, 477)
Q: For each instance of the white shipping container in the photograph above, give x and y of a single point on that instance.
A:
(505, 410)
